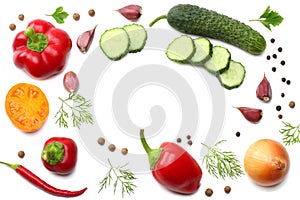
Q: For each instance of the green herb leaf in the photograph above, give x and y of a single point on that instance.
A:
(59, 15)
(119, 175)
(222, 164)
(291, 133)
(269, 17)
(78, 112)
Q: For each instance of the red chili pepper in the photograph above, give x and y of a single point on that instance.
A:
(41, 49)
(173, 167)
(59, 155)
(35, 180)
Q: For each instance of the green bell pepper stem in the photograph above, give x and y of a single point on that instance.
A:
(36, 41)
(153, 154)
(53, 153)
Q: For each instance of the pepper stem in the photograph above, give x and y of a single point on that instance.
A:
(36, 41)
(13, 166)
(53, 153)
(153, 154)
(157, 19)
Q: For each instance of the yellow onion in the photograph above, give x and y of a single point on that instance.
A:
(266, 162)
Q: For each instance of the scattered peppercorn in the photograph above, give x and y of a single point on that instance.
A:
(288, 82)
(178, 140)
(274, 69)
(268, 57)
(282, 62)
(188, 137)
(101, 141)
(111, 147)
(292, 104)
(21, 17)
(124, 151)
(21, 154)
(227, 189)
(76, 16)
(282, 94)
(280, 116)
(12, 27)
(279, 49)
(272, 40)
(278, 108)
(283, 79)
(274, 56)
(91, 12)
(209, 192)
(238, 134)
(190, 142)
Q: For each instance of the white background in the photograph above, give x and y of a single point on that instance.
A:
(88, 171)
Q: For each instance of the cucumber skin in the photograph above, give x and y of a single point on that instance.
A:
(195, 20)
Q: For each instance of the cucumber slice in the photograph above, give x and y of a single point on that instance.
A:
(219, 61)
(137, 35)
(181, 49)
(234, 76)
(203, 51)
(115, 43)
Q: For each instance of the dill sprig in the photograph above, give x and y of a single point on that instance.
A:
(78, 111)
(222, 164)
(291, 133)
(119, 175)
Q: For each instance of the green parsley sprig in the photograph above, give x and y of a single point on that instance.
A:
(75, 107)
(59, 15)
(291, 133)
(222, 164)
(269, 17)
(119, 175)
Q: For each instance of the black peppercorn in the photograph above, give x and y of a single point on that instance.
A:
(278, 108)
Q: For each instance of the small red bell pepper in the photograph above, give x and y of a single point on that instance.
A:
(173, 167)
(59, 155)
(41, 50)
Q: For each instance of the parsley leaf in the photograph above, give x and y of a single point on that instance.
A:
(269, 17)
(59, 15)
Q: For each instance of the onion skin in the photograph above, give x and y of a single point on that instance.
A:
(266, 162)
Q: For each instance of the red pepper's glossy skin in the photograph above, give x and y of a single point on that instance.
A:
(51, 60)
(67, 165)
(35, 180)
(177, 170)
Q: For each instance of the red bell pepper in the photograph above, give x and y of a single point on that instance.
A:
(59, 155)
(41, 50)
(173, 167)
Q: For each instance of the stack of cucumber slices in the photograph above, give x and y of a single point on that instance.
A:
(216, 59)
(117, 42)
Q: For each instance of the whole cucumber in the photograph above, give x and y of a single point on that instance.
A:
(192, 19)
